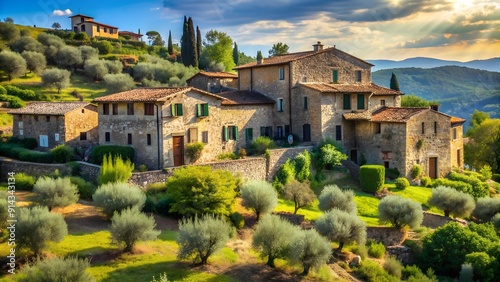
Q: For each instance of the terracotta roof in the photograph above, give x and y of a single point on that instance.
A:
(364, 115)
(80, 15)
(244, 98)
(149, 94)
(100, 24)
(214, 74)
(49, 108)
(129, 32)
(457, 120)
(392, 114)
(351, 88)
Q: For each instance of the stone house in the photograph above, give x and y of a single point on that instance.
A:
(82, 23)
(214, 82)
(54, 123)
(160, 122)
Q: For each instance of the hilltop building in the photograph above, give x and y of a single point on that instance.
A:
(82, 23)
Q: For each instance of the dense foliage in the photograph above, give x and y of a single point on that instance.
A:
(59, 192)
(300, 193)
(337, 225)
(56, 269)
(130, 226)
(259, 196)
(309, 249)
(486, 208)
(451, 201)
(400, 212)
(372, 177)
(115, 197)
(332, 197)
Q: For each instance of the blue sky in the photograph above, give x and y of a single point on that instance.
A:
(376, 29)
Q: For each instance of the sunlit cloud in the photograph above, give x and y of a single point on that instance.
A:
(60, 13)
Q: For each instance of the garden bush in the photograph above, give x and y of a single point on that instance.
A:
(14, 102)
(62, 153)
(24, 182)
(416, 171)
(227, 156)
(485, 171)
(34, 156)
(371, 178)
(392, 173)
(402, 183)
(412, 273)
(483, 265)
(426, 181)
(23, 94)
(163, 206)
(309, 249)
(59, 192)
(479, 189)
(130, 226)
(260, 144)
(284, 175)
(400, 212)
(393, 267)
(486, 208)
(495, 177)
(376, 250)
(237, 219)
(29, 143)
(98, 153)
(302, 163)
(4, 211)
(451, 201)
(360, 250)
(330, 156)
(373, 272)
(473, 174)
(259, 196)
(3, 91)
(332, 197)
(56, 269)
(113, 197)
(115, 169)
(85, 189)
(193, 150)
(457, 185)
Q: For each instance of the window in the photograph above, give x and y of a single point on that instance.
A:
(378, 127)
(282, 73)
(148, 139)
(110, 31)
(36, 118)
(56, 137)
(230, 133)
(115, 109)
(98, 29)
(129, 138)
(83, 27)
(202, 110)
(105, 108)
(47, 118)
(249, 134)
(266, 131)
(280, 104)
(287, 130)
(130, 109)
(83, 111)
(105, 29)
(107, 137)
(423, 127)
(82, 19)
(21, 132)
(335, 76)
(305, 103)
(306, 132)
(382, 102)
(435, 127)
(83, 136)
(279, 132)
(454, 133)
(338, 132)
(459, 158)
(149, 109)
(44, 141)
(361, 102)
(193, 135)
(347, 102)
(204, 137)
(358, 76)
(386, 164)
(176, 110)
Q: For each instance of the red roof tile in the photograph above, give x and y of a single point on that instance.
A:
(149, 94)
(392, 114)
(457, 120)
(371, 88)
(244, 98)
(51, 108)
(100, 24)
(364, 115)
(213, 74)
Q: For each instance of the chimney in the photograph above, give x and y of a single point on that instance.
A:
(318, 46)
(260, 59)
(435, 107)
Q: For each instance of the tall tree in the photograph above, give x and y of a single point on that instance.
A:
(483, 147)
(236, 54)
(278, 49)
(394, 82)
(170, 45)
(154, 38)
(184, 39)
(198, 43)
(218, 49)
(192, 55)
(475, 120)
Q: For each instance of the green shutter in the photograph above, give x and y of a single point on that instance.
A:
(205, 107)
(249, 134)
(262, 131)
(172, 106)
(198, 110)
(347, 102)
(225, 133)
(179, 110)
(361, 101)
(235, 132)
(335, 76)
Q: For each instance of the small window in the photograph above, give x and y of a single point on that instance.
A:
(110, 31)
(287, 130)
(202, 110)
(266, 131)
(105, 29)
(335, 76)
(176, 110)
(36, 118)
(454, 133)
(193, 135)
(105, 108)
(358, 76)
(44, 141)
(204, 137)
(148, 139)
(107, 137)
(47, 118)
(83, 136)
(130, 109)
(115, 109)
(249, 134)
(361, 102)
(306, 132)
(98, 29)
(378, 127)
(280, 104)
(149, 109)
(56, 137)
(129, 138)
(305, 103)
(21, 132)
(230, 133)
(83, 27)
(382, 102)
(83, 111)
(279, 132)
(338, 132)
(386, 164)
(282, 73)
(423, 127)
(435, 127)
(347, 101)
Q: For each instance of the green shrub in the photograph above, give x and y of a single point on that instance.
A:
(35, 156)
(237, 219)
(474, 174)
(376, 250)
(114, 197)
(416, 171)
(259, 196)
(495, 177)
(23, 94)
(193, 150)
(63, 153)
(29, 143)
(227, 156)
(426, 181)
(261, 144)
(332, 197)
(400, 212)
(130, 226)
(479, 189)
(155, 188)
(457, 185)
(402, 183)
(59, 192)
(4, 211)
(97, 155)
(302, 163)
(330, 156)
(24, 182)
(56, 269)
(309, 249)
(360, 250)
(486, 172)
(163, 206)
(392, 173)
(284, 175)
(14, 102)
(412, 273)
(486, 209)
(115, 169)
(393, 267)
(162, 278)
(3, 91)
(483, 266)
(373, 272)
(85, 189)
(337, 225)
(452, 201)
(143, 168)
(371, 178)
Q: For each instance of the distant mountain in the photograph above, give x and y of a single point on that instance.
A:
(492, 64)
(459, 90)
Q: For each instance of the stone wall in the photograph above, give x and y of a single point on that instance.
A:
(249, 168)
(89, 172)
(432, 220)
(389, 236)
(35, 169)
(279, 157)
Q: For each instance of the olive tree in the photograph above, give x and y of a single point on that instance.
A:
(69, 57)
(130, 226)
(12, 63)
(88, 53)
(59, 192)
(309, 249)
(36, 226)
(259, 196)
(119, 82)
(115, 197)
(452, 201)
(202, 236)
(56, 269)
(300, 193)
(400, 212)
(56, 78)
(27, 43)
(486, 208)
(332, 197)
(272, 237)
(96, 69)
(114, 67)
(35, 62)
(338, 225)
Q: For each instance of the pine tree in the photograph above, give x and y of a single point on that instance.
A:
(235, 53)
(198, 42)
(170, 47)
(191, 45)
(184, 41)
(394, 82)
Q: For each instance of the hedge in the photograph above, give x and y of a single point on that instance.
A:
(3, 91)
(372, 177)
(14, 102)
(98, 153)
(16, 151)
(479, 189)
(458, 185)
(24, 94)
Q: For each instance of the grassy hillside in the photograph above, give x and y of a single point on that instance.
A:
(460, 90)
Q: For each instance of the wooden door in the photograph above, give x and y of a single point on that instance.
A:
(354, 156)
(433, 167)
(178, 145)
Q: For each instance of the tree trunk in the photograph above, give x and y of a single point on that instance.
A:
(447, 213)
(296, 209)
(258, 215)
(270, 261)
(341, 245)
(306, 270)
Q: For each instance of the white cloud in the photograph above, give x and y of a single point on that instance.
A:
(60, 13)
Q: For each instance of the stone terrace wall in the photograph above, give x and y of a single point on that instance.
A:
(279, 157)
(389, 236)
(249, 168)
(35, 169)
(432, 220)
(88, 171)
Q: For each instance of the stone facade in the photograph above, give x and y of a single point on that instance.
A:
(33, 169)
(214, 82)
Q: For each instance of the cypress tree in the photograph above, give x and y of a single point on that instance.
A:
(170, 47)
(394, 82)
(235, 54)
(198, 42)
(191, 45)
(184, 41)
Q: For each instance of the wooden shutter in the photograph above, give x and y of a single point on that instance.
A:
(225, 133)
(347, 102)
(198, 110)
(205, 108)
(172, 106)
(179, 109)
(335, 76)
(361, 101)
(235, 132)
(262, 131)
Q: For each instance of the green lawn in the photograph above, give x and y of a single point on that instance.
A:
(5, 119)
